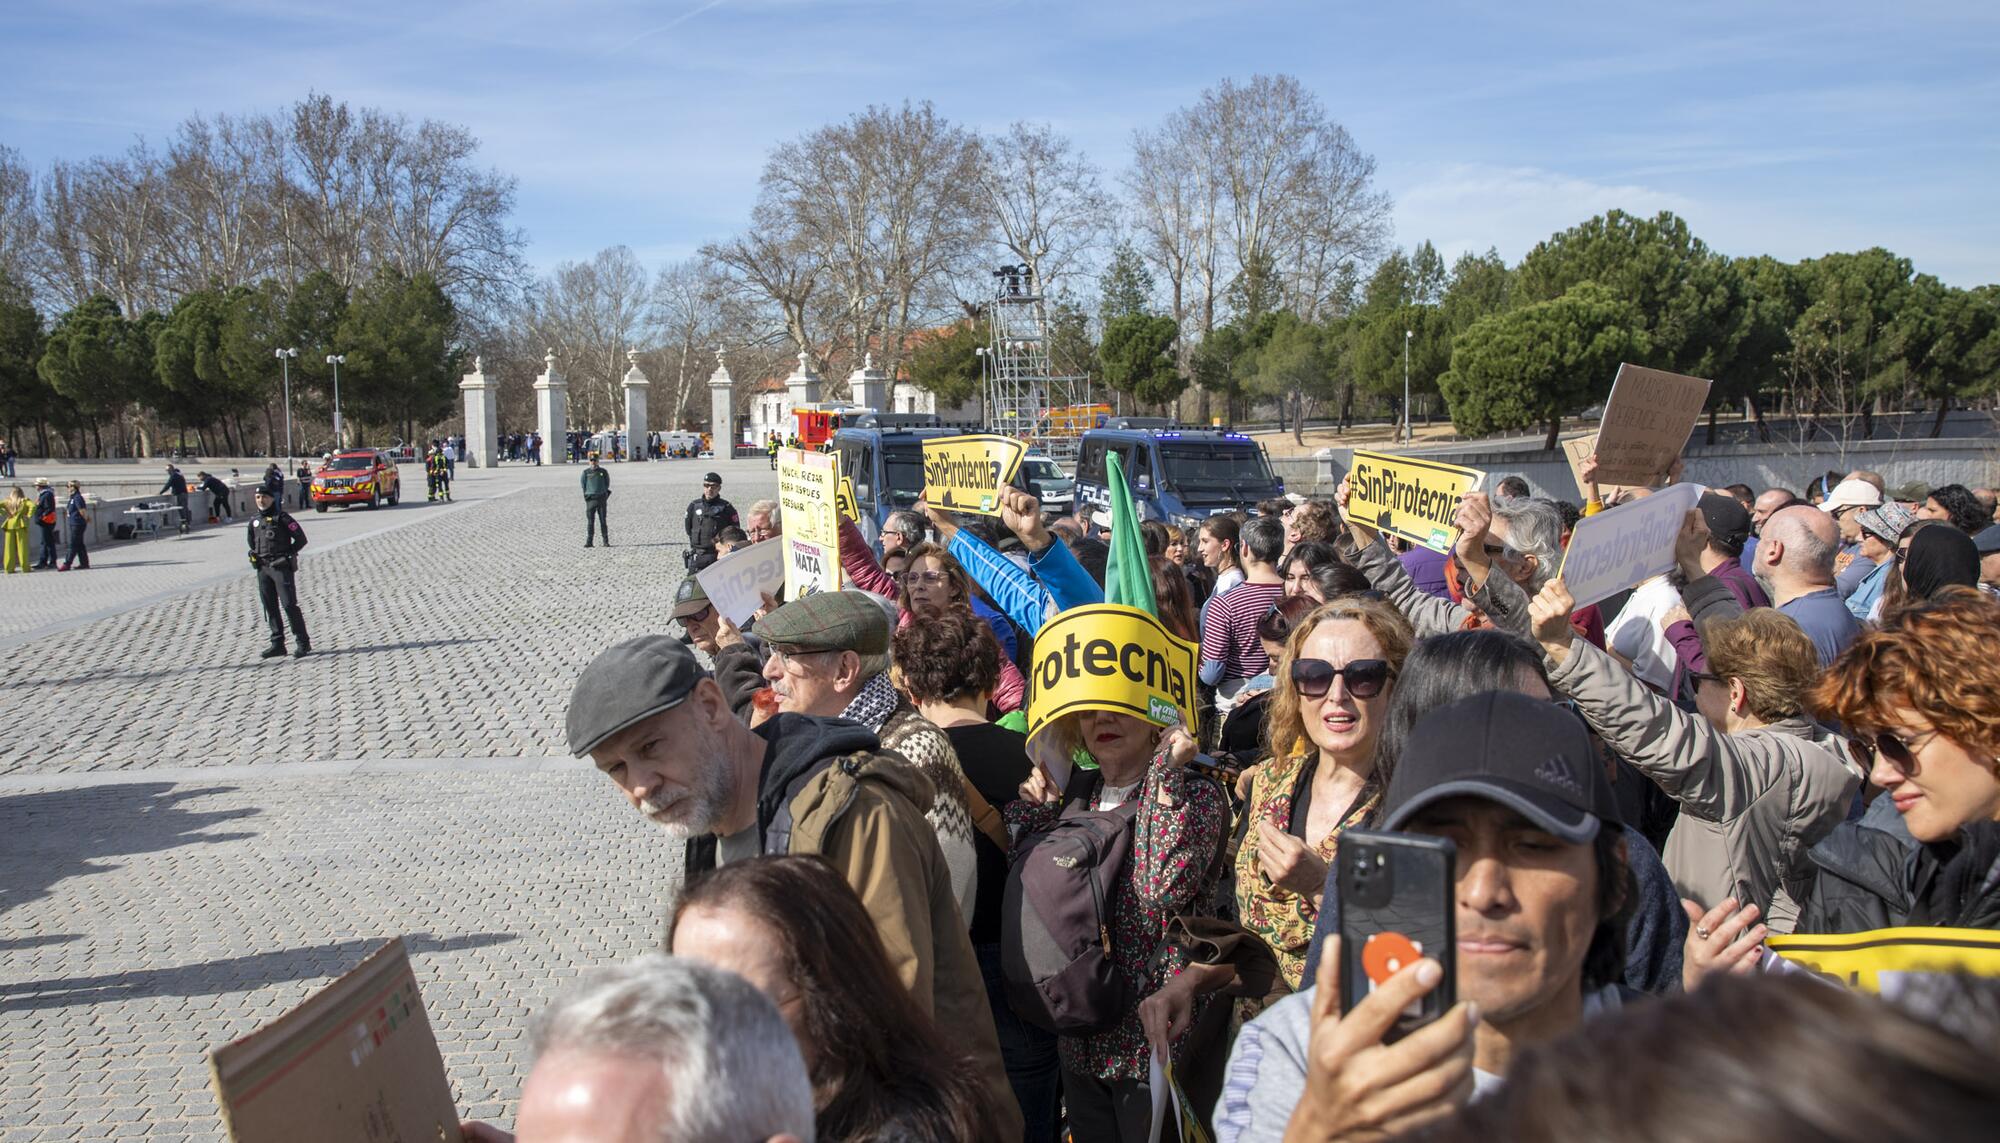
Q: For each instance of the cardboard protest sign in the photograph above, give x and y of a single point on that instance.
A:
(735, 583)
(1108, 657)
(844, 497)
(1622, 546)
(808, 491)
(1576, 450)
(1881, 960)
(1408, 497)
(1646, 424)
(354, 1061)
(965, 474)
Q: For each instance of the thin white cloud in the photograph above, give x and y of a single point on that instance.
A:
(1468, 207)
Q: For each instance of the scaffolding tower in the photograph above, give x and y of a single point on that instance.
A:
(1023, 399)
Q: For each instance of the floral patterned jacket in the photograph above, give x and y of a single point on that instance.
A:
(1181, 825)
(1283, 918)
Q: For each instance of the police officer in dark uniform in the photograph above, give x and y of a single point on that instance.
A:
(275, 540)
(707, 514)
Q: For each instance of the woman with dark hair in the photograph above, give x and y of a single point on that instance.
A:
(1170, 594)
(1920, 699)
(1314, 568)
(881, 1070)
(1200, 579)
(1243, 739)
(1218, 550)
(948, 665)
(1939, 558)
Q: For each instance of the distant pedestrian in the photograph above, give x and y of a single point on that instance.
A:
(218, 497)
(596, 494)
(275, 540)
(305, 478)
(45, 522)
(177, 487)
(7, 458)
(274, 479)
(78, 519)
(14, 514)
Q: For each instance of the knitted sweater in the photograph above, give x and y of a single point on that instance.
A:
(910, 734)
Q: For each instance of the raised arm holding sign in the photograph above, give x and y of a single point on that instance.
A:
(1646, 424)
(966, 474)
(1403, 496)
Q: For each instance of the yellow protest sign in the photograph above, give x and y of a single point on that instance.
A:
(1874, 960)
(844, 496)
(808, 496)
(964, 474)
(1106, 656)
(1409, 497)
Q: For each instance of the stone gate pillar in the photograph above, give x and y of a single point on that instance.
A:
(869, 386)
(722, 410)
(552, 412)
(482, 417)
(636, 386)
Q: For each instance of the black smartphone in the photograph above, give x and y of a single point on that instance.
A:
(1396, 906)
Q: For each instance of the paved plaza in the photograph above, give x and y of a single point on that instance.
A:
(192, 839)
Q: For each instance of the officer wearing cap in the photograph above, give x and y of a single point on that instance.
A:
(657, 725)
(707, 515)
(275, 540)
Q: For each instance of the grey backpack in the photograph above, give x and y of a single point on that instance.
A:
(1055, 943)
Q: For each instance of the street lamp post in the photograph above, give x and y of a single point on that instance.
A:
(1409, 430)
(285, 362)
(334, 359)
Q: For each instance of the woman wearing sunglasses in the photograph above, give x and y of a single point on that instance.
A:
(1758, 782)
(1329, 706)
(1921, 697)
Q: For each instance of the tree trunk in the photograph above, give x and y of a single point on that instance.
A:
(1944, 409)
(1711, 424)
(1346, 409)
(1867, 421)
(1757, 414)
(1298, 418)
(1555, 430)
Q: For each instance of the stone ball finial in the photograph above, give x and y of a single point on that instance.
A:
(719, 362)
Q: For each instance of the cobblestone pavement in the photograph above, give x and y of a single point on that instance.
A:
(192, 839)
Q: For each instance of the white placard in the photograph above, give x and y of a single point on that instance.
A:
(1626, 545)
(735, 583)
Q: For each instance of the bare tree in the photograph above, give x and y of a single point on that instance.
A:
(20, 230)
(1044, 200)
(591, 313)
(771, 267)
(689, 310)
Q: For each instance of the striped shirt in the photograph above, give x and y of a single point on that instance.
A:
(1229, 629)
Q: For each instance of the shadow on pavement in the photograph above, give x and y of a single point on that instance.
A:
(250, 662)
(47, 837)
(229, 974)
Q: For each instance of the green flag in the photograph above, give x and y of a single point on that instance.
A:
(1127, 578)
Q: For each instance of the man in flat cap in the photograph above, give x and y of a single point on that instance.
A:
(652, 720)
(829, 657)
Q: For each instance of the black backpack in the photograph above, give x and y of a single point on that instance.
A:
(1055, 943)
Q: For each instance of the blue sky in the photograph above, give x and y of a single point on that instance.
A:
(1787, 129)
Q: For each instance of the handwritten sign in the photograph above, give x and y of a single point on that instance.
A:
(1646, 424)
(808, 496)
(1626, 545)
(355, 1060)
(1407, 497)
(965, 474)
(735, 583)
(1576, 450)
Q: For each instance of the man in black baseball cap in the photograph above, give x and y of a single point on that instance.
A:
(707, 515)
(658, 725)
(1541, 888)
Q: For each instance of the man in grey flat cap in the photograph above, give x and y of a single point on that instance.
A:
(829, 656)
(653, 721)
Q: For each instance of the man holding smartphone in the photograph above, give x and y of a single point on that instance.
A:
(1539, 892)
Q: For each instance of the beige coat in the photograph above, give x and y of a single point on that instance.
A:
(1751, 803)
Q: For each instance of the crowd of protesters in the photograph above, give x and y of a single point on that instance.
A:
(1795, 730)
